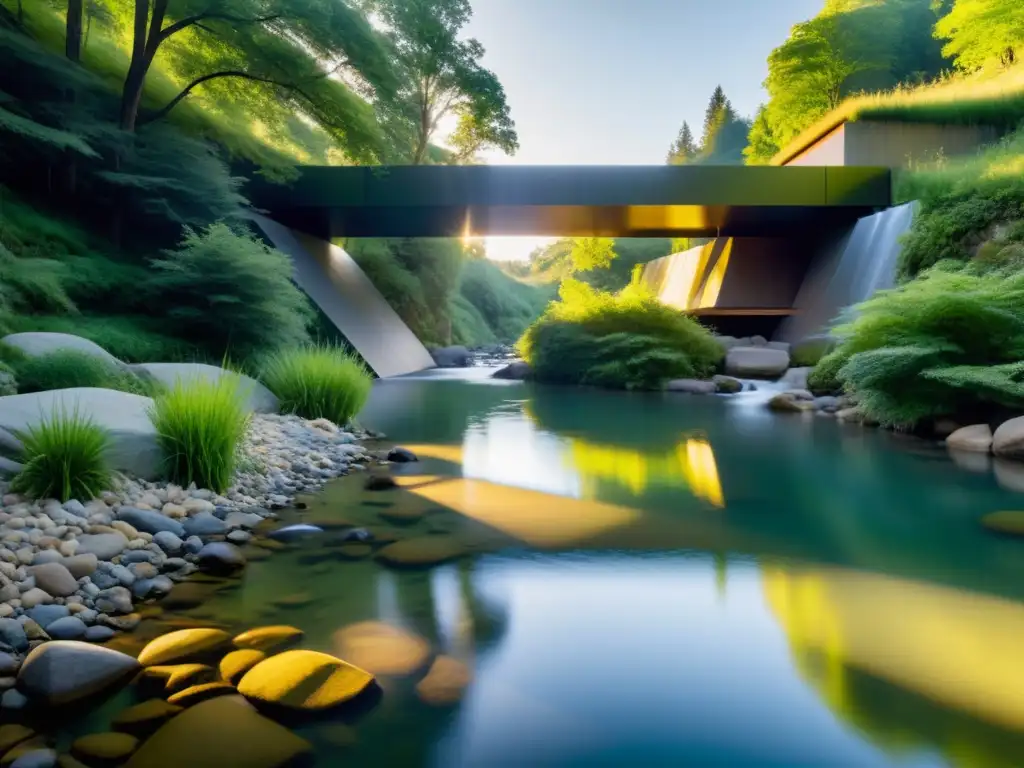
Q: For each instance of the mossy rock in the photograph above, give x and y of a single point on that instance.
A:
(268, 638)
(183, 645)
(12, 734)
(1010, 522)
(382, 649)
(422, 551)
(194, 694)
(234, 666)
(221, 732)
(143, 719)
(296, 600)
(104, 749)
(445, 682)
(354, 551)
(304, 680)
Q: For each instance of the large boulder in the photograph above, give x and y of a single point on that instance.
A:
(133, 440)
(258, 398)
(1008, 439)
(452, 357)
(517, 370)
(976, 437)
(796, 378)
(691, 386)
(303, 680)
(756, 362)
(39, 343)
(219, 732)
(65, 671)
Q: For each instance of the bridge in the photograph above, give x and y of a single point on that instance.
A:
(769, 224)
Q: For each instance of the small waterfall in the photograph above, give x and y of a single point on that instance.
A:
(861, 264)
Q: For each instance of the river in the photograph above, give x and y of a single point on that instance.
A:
(665, 579)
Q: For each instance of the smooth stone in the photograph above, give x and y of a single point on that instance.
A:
(237, 519)
(756, 362)
(691, 386)
(68, 628)
(64, 671)
(13, 698)
(204, 524)
(193, 545)
(80, 565)
(401, 455)
(178, 677)
(304, 680)
(99, 633)
(422, 551)
(12, 634)
(12, 734)
(105, 546)
(269, 638)
(445, 682)
(37, 758)
(788, 402)
(220, 557)
(183, 645)
(233, 666)
(221, 732)
(256, 397)
(34, 597)
(168, 542)
(54, 579)
(149, 521)
(143, 719)
(401, 516)
(354, 551)
(8, 666)
(294, 532)
(517, 370)
(47, 556)
(114, 600)
(104, 748)
(1008, 439)
(45, 615)
(358, 535)
(194, 694)
(382, 649)
(976, 437)
(727, 385)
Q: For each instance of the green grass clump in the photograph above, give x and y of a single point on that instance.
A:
(627, 340)
(200, 425)
(949, 343)
(66, 368)
(824, 378)
(64, 458)
(134, 339)
(318, 382)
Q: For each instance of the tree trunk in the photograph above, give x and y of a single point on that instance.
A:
(131, 94)
(73, 43)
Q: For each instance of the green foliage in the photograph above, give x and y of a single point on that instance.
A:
(200, 425)
(505, 305)
(318, 382)
(980, 32)
(554, 262)
(627, 340)
(810, 351)
(947, 343)
(64, 457)
(824, 379)
(591, 253)
(965, 204)
(684, 148)
(68, 368)
(134, 339)
(231, 292)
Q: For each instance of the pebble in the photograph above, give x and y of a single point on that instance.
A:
(99, 634)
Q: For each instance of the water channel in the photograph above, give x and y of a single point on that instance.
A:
(664, 579)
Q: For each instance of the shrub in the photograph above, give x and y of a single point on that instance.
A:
(132, 339)
(67, 368)
(318, 382)
(947, 343)
(627, 340)
(824, 379)
(64, 457)
(231, 291)
(200, 425)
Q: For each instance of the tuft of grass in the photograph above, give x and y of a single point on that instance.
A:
(200, 426)
(318, 381)
(64, 457)
(66, 368)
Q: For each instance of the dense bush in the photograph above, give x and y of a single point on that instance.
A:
(965, 203)
(229, 292)
(64, 457)
(200, 425)
(68, 368)
(629, 340)
(506, 305)
(132, 339)
(318, 382)
(948, 343)
(824, 378)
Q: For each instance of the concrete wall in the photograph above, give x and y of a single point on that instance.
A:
(332, 279)
(830, 149)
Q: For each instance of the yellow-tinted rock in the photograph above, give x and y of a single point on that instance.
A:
(381, 648)
(269, 544)
(29, 745)
(104, 748)
(175, 677)
(304, 680)
(12, 734)
(183, 645)
(143, 719)
(1005, 522)
(268, 638)
(296, 600)
(401, 516)
(422, 551)
(218, 733)
(445, 682)
(237, 663)
(354, 551)
(197, 693)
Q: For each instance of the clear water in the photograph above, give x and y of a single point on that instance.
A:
(667, 580)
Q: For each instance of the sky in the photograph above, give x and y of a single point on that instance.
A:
(609, 82)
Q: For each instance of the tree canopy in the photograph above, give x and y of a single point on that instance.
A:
(980, 32)
(723, 136)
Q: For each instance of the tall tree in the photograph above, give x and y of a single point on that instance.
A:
(684, 148)
(718, 106)
(761, 143)
(982, 32)
(443, 77)
(725, 133)
(73, 40)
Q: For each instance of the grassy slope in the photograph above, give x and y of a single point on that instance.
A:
(995, 98)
